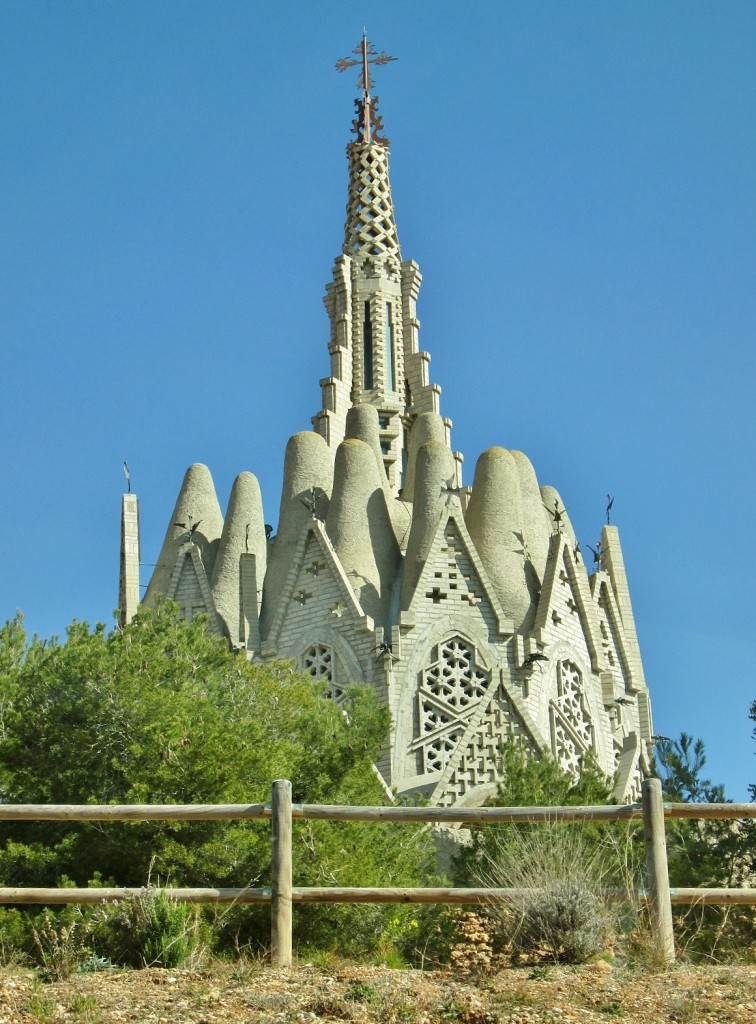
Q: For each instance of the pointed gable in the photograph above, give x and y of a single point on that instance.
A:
(453, 580)
(316, 581)
(190, 587)
(565, 610)
(614, 564)
(613, 643)
(463, 741)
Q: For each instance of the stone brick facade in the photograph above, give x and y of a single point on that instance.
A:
(469, 610)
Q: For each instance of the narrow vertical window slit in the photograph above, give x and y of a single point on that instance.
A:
(367, 338)
(390, 355)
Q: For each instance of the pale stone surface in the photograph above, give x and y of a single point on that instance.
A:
(196, 503)
(552, 500)
(471, 612)
(362, 424)
(434, 467)
(128, 589)
(496, 523)
(360, 530)
(243, 532)
(428, 426)
(536, 523)
(308, 465)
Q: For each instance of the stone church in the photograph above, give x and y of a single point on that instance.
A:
(468, 609)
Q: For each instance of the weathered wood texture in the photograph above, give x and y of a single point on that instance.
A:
(731, 812)
(332, 894)
(681, 897)
(657, 870)
(468, 815)
(281, 876)
(335, 812)
(131, 812)
(109, 895)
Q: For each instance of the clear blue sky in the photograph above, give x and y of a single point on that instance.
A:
(576, 181)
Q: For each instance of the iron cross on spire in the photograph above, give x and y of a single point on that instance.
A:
(367, 55)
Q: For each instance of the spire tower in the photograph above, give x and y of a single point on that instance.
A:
(372, 300)
(468, 610)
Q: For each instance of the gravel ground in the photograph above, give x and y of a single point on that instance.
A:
(227, 994)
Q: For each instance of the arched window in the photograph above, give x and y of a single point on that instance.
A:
(318, 662)
(448, 691)
(571, 726)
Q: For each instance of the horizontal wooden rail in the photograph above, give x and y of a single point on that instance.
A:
(111, 895)
(467, 815)
(713, 897)
(343, 894)
(131, 812)
(335, 894)
(299, 894)
(336, 812)
(722, 812)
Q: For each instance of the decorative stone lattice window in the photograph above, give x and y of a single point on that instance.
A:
(571, 727)
(317, 661)
(479, 763)
(449, 690)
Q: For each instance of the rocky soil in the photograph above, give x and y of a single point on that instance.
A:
(253, 993)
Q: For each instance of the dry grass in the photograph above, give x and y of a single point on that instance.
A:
(254, 994)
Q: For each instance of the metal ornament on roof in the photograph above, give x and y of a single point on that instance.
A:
(368, 124)
(370, 230)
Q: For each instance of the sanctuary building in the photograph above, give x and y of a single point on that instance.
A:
(469, 610)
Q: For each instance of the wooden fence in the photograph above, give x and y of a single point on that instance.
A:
(282, 894)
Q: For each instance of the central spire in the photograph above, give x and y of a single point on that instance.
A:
(372, 304)
(370, 229)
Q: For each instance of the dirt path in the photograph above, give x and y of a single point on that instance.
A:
(372, 995)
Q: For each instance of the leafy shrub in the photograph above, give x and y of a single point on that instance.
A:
(149, 714)
(147, 929)
(567, 919)
(557, 907)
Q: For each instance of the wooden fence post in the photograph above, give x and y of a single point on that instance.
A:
(657, 870)
(280, 931)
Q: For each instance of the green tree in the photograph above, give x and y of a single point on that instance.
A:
(679, 764)
(162, 712)
(705, 854)
(532, 782)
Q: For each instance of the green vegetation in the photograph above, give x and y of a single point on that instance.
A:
(559, 868)
(161, 712)
(706, 854)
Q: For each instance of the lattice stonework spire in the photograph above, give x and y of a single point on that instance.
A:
(372, 299)
(370, 225)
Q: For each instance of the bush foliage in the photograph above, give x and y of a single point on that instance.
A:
(559, 870)
(161, 712)
(706, 854)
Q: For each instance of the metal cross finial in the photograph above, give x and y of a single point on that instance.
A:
(367, 55)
